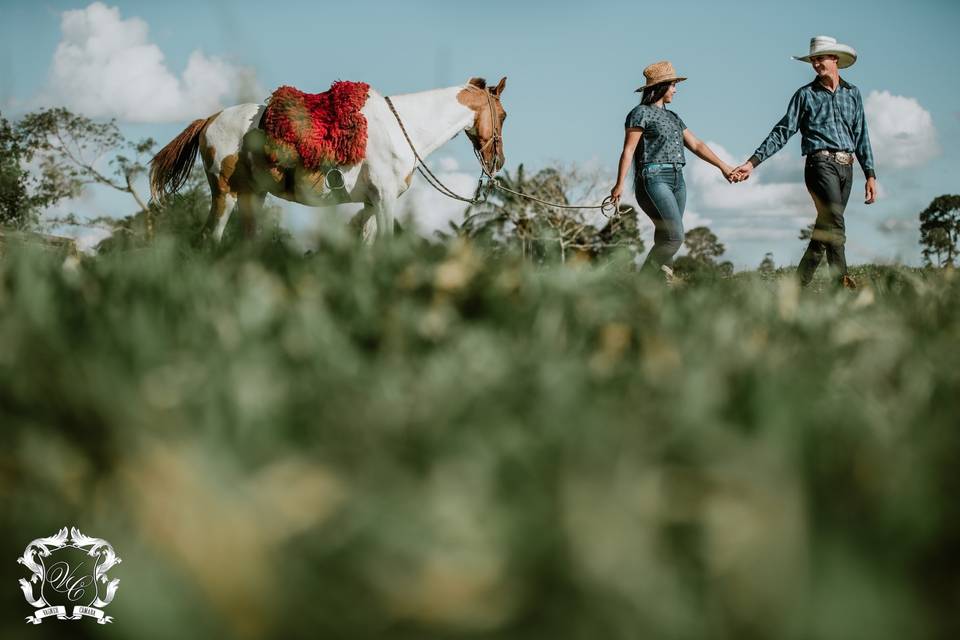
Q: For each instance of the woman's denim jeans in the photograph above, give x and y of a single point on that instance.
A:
(662, 195)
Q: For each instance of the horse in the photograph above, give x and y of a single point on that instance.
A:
(399, 129)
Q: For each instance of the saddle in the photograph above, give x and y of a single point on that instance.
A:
(316, 129)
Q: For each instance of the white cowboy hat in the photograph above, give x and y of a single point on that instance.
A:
(827, 46)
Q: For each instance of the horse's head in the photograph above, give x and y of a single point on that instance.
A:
(486, 130)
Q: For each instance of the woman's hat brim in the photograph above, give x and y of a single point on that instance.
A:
(647, 86)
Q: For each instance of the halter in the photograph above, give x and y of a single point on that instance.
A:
(496, 138)
(428, 175)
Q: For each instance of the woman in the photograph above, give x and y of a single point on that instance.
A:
(653, 142)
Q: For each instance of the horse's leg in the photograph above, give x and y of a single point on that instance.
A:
(385, 213)
(250, 205)
(229, 204)
(360, 226)
(221, 207)
(223, 199)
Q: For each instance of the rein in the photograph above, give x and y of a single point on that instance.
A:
(608, 204)
(424, 170)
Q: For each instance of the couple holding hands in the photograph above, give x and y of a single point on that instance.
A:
(828, 113)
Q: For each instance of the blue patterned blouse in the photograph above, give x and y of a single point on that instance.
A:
(662, 135)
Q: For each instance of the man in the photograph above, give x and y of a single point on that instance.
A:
(828, 112)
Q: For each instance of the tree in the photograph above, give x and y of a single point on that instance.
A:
(15, 209)
(940, 230)
(767, 265)
(71, 148)
(542, 231)
(703, 245)
(621, 230)
(806, 233)
(23, 194)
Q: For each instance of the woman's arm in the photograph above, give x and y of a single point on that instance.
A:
(631, 138)
(704, 152)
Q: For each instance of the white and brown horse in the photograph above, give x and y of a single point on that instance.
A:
(231, 144)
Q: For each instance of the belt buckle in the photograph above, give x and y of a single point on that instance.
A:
(843, 157)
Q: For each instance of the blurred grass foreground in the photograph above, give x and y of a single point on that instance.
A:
(421, 442)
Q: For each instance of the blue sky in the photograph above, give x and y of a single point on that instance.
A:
(572, 68)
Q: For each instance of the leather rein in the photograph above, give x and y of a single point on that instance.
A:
(608, 203)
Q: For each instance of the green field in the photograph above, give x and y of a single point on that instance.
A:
(422, 441)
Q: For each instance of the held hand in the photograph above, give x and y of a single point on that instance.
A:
(870, 192)
(742, 172)
(727, 172)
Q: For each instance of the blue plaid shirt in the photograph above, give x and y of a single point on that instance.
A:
(826, 120)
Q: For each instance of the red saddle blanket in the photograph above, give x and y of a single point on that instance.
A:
(317, 129)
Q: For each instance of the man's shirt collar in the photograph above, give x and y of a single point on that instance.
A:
(817, 85)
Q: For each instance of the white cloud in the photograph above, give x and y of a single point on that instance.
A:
(901, 130)
(756, 197)
(448, 164)
(727, 234)
(898, 225)
(87, 239)
(106, 66)
(785, 166)
(693, 219)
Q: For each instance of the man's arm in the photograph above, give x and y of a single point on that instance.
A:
(782, 132)
(864, 151)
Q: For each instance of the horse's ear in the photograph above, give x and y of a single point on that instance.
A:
(500, 85)
(479, 83)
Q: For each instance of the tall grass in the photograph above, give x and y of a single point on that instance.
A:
(420, 442)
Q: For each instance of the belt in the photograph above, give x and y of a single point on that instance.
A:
(672, 165)
(840, 157)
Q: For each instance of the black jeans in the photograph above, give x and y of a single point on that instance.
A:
(829, 185)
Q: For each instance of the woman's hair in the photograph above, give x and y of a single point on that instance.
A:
(654, 93)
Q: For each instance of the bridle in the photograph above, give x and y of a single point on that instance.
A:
(478, 149)
(429, 176)
(496, 139)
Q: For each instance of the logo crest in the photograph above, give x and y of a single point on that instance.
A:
(69, 571)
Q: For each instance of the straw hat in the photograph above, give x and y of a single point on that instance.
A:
(827, 46)
(659, 72)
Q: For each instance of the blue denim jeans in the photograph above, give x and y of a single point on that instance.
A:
(662, 195)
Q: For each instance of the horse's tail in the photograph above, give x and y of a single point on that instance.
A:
(170, 168)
